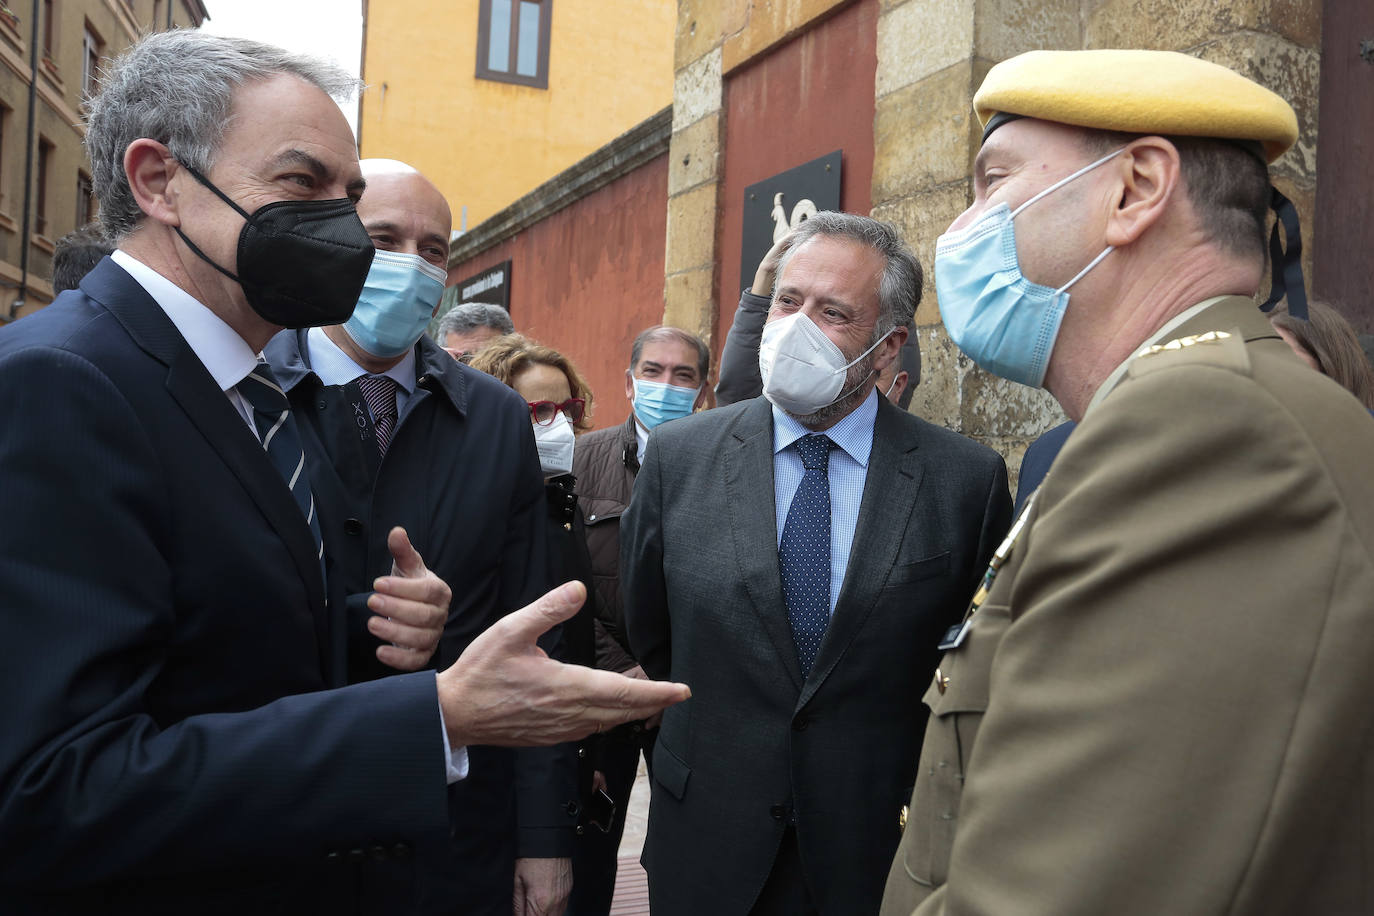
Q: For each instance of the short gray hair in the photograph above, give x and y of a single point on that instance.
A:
(177, 88)
(468, 316)
(899, 290)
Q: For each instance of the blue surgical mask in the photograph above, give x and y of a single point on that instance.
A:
(657, 402)
(1004, 322)
(397, 302)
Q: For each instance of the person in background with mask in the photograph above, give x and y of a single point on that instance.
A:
(560, 406)
(397, 432)
(665, 381)
(797, 558)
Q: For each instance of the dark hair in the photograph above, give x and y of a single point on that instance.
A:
(663, 333)
(1333, 344)
(1227, 184)
(503, 358)
(75, 254)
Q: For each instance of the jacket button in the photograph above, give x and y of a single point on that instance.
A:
(353, 526)
(941, 682)
(572, 808)
(902, 816)
(401, 851)
(567, 526)
(800, 724)
(320, 404)
(777, 812)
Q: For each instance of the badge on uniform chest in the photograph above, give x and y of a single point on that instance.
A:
(954, 636)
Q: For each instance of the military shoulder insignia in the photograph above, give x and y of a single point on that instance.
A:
(1214, 348)
(1211, 337)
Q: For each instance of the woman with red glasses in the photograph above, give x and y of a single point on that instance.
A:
(560, 406)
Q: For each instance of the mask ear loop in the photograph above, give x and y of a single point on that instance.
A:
(871, 372)
(1063, 181)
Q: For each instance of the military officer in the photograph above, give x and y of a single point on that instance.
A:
(1159, 701)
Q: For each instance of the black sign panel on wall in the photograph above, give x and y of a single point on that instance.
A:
(776, 205)
(491, 286)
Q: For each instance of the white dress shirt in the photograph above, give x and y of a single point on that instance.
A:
(229, 360)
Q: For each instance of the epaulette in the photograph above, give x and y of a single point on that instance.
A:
(1214, 348)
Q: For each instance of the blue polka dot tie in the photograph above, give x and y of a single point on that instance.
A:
(804, 555)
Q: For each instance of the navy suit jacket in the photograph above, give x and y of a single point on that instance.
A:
(165, 742)
(461, 475)
(759, 746)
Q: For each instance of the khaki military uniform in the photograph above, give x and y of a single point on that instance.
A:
(1163, 703)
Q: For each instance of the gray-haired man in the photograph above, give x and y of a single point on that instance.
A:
(467, 326)
(167, 744)
(796, 558)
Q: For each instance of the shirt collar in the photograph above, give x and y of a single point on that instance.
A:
(335, 367)
(853, 433)
(224, 353)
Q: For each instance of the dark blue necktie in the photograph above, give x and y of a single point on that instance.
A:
(282, 442)
(804, 554)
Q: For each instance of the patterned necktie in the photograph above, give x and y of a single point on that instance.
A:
(380, 392)
(804, 554)
(282, 442)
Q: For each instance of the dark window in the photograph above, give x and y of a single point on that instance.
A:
(92, 49)
(50, 29)
(45, 149)
(85, 199)
(513, 41)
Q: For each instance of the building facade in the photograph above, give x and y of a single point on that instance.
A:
(761, 88)
(490, 98)
(51, 52)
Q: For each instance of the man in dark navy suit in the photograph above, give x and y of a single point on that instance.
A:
(167, 744)
(397, 432)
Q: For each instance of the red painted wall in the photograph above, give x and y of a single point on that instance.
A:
(801, 100)
(589, 278)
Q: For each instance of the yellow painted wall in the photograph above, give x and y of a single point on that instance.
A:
(486, 143)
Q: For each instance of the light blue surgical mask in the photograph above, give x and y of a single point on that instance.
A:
(657, 402)
(397, 302)
(1002, 321)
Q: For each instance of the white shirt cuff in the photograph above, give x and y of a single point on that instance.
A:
(455, 759)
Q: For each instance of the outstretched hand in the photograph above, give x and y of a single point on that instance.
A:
(504, 690)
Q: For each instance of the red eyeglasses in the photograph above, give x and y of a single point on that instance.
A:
(543, 412)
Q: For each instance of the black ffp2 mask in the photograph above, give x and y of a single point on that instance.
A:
(302, 263)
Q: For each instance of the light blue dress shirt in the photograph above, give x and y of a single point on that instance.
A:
(853, 438)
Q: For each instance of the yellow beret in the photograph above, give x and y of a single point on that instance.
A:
(1138, 92)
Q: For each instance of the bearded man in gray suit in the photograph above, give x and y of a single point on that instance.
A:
(797, 559)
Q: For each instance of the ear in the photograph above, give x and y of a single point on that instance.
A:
(1149, 173)
(889, 349)
(629, 386)
(899, 385)
(150, 166)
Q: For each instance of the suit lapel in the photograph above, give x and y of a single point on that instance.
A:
(748, 462)
(190, 385)
(889, 498)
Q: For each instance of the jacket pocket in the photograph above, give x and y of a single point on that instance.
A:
(928, 568)
(669, 770)
(958, 697)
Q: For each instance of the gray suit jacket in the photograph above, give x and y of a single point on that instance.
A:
(759, 747)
